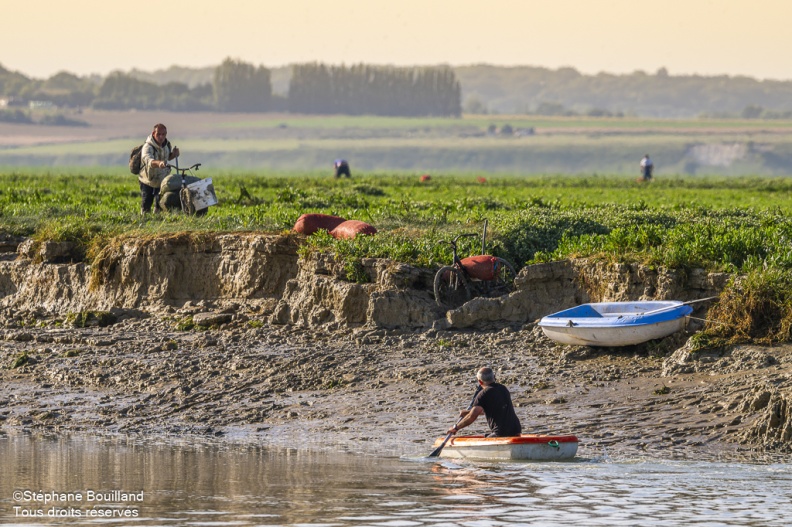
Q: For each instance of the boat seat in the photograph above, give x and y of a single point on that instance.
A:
(584, 311)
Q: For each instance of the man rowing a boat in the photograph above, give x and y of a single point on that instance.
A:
(494, 401)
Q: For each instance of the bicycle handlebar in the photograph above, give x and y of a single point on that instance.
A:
(176, 167)
(454, 241)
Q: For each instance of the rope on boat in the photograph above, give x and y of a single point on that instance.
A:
(713, 321)
(553, 443)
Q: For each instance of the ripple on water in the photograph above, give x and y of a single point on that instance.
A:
(198, 485)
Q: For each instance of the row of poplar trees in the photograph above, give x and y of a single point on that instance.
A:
(374, 90)
(236, 87)
(314, 89)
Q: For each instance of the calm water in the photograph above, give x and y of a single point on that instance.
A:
(187, 483)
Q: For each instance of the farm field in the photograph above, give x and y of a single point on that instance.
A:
(43, 202)
(472, 144)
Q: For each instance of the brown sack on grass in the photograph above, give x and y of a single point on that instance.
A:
(480, 267)
(351, 228)
(310, 223)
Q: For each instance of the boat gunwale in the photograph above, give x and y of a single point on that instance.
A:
(562, 319)
(524, 439)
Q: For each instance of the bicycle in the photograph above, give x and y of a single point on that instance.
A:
(483, 274)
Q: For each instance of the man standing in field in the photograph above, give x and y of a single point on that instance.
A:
(494, 401)
(647, 167)
(154, 158)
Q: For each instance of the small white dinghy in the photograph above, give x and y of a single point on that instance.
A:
(609, 324)
(531, 447)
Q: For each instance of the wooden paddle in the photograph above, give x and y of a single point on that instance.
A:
(436, 451)
(677, 305)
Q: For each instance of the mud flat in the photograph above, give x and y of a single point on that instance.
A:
(272, 348)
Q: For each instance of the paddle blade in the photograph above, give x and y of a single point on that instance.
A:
(436, 451)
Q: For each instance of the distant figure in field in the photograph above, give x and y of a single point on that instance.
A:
(342, 168)
(647, 167)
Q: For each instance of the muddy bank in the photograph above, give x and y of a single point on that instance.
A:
(388, 390)
(237, 337)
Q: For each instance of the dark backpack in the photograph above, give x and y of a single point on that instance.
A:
(135, 158)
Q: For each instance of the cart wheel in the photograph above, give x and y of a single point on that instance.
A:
(503, 283)
(450, 287)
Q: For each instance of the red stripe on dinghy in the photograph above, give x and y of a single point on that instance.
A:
(464, 441)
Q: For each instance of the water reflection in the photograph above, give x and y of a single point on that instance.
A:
(188, 483)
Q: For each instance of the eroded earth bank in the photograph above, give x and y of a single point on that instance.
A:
(236, 337)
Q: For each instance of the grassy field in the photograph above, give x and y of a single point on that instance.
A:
(283, 142)
(43, 203)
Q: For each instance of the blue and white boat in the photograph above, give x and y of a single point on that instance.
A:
(609, 324)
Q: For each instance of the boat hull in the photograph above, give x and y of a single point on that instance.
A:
(611, 324)
(530, 447)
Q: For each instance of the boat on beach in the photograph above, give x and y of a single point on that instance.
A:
(533, 447)
(609, 324)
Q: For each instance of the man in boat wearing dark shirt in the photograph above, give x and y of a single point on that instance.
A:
(494, 401)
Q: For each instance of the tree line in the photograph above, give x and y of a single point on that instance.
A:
(363, 89)
(321, 88)
(237, 86)
(566, 91)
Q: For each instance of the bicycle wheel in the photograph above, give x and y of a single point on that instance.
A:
(450, 287)
(503, 283)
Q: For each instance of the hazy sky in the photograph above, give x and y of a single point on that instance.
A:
(709, 37)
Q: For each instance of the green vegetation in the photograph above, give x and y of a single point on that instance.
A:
(738, 225)
(755, 307)
(20, 360)
(729, 224)
(184, 324)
